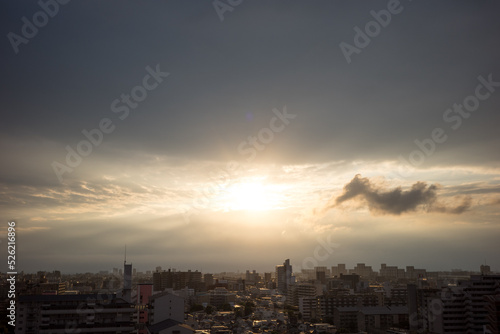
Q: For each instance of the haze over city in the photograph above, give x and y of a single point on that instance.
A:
(224, 140)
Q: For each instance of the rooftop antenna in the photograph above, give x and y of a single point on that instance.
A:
(125, 262)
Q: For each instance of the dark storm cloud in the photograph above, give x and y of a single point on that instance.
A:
(396, 201)
(264, 55)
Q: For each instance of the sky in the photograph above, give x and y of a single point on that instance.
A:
(232, 135)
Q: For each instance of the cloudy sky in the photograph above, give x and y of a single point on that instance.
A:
(231, 135)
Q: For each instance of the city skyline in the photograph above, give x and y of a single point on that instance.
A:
(299, 271)
(209, 138)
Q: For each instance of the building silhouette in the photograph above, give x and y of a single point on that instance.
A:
(86, 313)
(176, 280)
(284, 276)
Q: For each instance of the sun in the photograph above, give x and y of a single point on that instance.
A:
(248, 195)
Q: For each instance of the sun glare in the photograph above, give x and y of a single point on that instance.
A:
(248, 195)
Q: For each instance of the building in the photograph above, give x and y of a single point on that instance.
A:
(339, 269)
(127, 281)
(346, 318)
(412, 273)
(381, 317)
(309, 308)
(89, 313)
(324, 328)
(412, 306)
(308, 274)
(221, 296)
(144, 293)
(47, 288)
(252, 278)
(362, 270)
(163, 306)
(422, 306)
(352, 280)
(170, 326)
(321, 276)
(217, 297)
(328, 303)
(468, 307)
(391, 272)
(485, 269)
(469, 302)
(267, 278)
(208, 279)
(396, 296)
(324, 270)
(369, 318)
(300, 290)
(493, 317)
(176, 280)
(284, 276)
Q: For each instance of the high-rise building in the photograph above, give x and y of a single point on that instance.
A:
(465, 308)
(144, 292)
(422, 307)
(472, 306)
(412, 306)
(284, 276)
(127, 282)
(493, 309)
